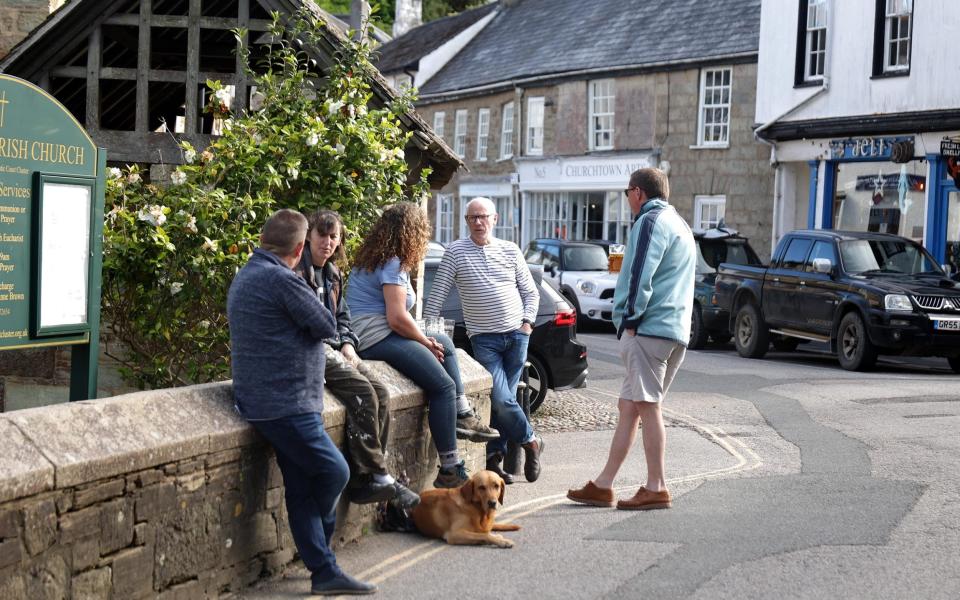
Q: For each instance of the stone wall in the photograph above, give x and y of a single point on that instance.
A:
(20, 17)
(169, 494)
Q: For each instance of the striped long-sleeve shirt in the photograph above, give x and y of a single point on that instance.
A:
(496, 289)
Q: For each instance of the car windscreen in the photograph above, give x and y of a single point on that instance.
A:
(714, 252)
(869, 257)
(585, 258)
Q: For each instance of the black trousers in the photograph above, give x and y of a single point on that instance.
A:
(368, 416)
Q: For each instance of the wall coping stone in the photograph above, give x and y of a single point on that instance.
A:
(66, 445)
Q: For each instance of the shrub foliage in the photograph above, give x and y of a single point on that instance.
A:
(171, 251)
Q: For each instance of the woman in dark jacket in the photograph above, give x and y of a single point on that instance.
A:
(363, 397)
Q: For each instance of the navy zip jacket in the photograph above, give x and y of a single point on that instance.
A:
(277, 329)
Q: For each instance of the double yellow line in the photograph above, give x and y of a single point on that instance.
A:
(746, 460)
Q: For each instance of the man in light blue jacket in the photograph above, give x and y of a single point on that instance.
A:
(652, 306)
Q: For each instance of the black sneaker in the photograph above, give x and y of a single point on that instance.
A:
(451, 477)
(342, 585)
(364, 490)
(470, 428)
(493, 464)
(404, 496)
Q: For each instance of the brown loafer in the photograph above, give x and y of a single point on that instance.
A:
(592, 495)
(644, 499)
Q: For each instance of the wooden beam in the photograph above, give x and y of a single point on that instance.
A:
(193, 69)
(165, 75)
(181, 22)
(93, 80)
(240, 83)
(143, 67)
(151, 147)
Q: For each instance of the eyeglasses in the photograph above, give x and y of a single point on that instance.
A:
(477, 218)
(626, 192)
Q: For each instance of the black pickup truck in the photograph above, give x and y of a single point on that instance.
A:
(865, 293)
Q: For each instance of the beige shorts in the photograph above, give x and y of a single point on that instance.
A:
(651, 364)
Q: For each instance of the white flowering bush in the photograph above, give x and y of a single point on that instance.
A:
(171, 251)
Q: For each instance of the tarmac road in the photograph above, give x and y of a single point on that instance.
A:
(792, 478)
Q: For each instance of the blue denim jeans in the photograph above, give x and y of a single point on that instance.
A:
(314, 474)
(503, 354)
(440, 382)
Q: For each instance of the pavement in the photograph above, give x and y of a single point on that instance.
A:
(791, 477)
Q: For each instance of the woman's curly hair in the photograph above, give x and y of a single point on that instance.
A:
(402, 231)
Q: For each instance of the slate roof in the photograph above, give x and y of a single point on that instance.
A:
(544, 37)
(407, 49)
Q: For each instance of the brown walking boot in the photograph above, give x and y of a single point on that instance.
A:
(644, 499)
(592, 495)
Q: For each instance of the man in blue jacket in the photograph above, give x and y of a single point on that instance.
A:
(652, 306)
(277, 329)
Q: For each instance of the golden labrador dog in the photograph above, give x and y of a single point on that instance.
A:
(464, 515)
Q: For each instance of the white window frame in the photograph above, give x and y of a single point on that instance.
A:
(506, 131)
(402, 81)
(535, 118)
(439, 118)
(716, 206)
(815, 41)
(483, 132)
(899, 15)
(460, 133)
(713, 123)
(601, 107)
(444, 220)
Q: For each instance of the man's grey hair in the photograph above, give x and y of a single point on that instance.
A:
(283, 232)
(487, 203)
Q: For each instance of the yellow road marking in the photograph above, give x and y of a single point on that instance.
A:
(747, 460)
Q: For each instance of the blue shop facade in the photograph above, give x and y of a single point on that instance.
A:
(905, 184)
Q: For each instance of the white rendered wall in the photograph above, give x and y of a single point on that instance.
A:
(933, 83)
(433, 62)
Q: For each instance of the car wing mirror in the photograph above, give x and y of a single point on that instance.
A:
(822, 265)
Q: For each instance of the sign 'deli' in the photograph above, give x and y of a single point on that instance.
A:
(51, 222)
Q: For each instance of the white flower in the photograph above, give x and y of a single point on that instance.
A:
(192, 224)
(204, 324)
(294, 172)
(152, 214)
(175, 288)
(361, 110)
(133, 177)
(178, 177)
(223, 96)
(257, 139)
(352, 111)
(190, 155)
(334, 107)
(313, 139)
(339, 148)
(115, 173)
(209, 244)
(398, 153)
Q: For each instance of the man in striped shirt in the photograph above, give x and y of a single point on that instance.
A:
(500, 301)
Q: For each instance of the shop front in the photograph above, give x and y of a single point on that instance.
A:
(904, 185)
(577, 198)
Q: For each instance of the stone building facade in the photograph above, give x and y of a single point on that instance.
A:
(550, 128)
(655, 123)
(19, 17)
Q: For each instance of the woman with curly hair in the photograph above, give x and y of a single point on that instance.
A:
(380, 296)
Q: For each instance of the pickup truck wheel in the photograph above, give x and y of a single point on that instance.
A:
(751, 335)
(785, 344)
(954, 363)
(854, 349)
(698, 335)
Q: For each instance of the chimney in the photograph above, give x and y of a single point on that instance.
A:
(409, 14)
(359, 18)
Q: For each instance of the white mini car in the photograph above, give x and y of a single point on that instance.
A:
(579, 271)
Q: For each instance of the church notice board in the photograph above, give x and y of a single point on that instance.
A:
(51, 225)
